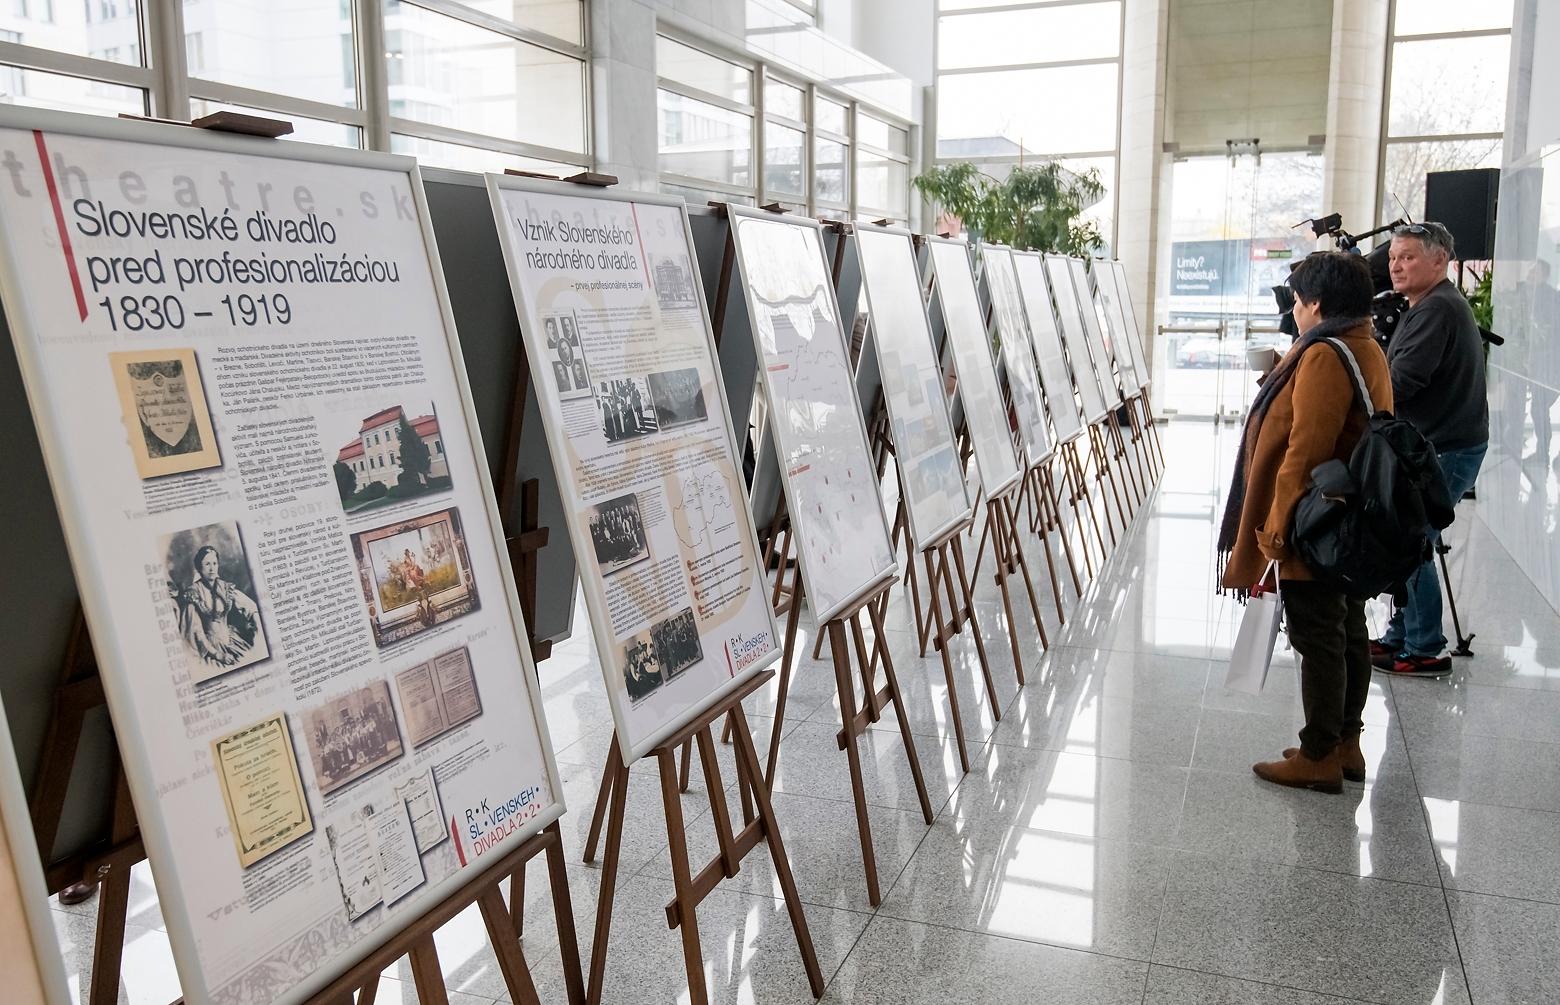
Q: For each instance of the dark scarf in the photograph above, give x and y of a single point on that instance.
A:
(1275, 382)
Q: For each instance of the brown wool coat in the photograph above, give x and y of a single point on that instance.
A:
(1312, 420)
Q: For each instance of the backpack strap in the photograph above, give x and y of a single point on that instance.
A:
(1361, 392)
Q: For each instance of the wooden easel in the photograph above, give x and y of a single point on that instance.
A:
(109, 865)
(1046, 514)
(759, 826)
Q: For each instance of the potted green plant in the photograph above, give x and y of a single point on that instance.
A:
(1037, 207)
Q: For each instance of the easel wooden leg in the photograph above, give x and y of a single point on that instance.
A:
(682, 771)
(1081, 498)
(891, 684)
(682, 879)
(965, 584)
(617, 775)
(506, 946)
(108, 948)
(747, 758)
(563, 912)
(793, 620)
(427, 976)
(947, 662)
(1050, 567)
(1102, 473)
(1049, 502)
(847, 688)
(603, 798)
(1119, 450)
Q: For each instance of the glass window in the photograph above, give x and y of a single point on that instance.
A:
(705, 141)
(781, 98)
(562, 19)
(875, 132)
(1052, 110)
(112, 33)
(831, 116)
(434, 153)
(1103, 213)
(1452, 85)
(967, 4)
(1422, 17)
(1034, 35)
(831, 179)
(248, 44)
(447, 72)
(336, 134)
(696, 68)
(785, 160)
(1406, 164)
(37, 89)
(702, 196)
(881, 183)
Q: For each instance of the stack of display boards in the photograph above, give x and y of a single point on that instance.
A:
(1094, 335)
(613, 317)
(1124, 347)
(251, 401)
(985, 416)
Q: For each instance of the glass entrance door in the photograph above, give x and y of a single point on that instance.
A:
(1232, 239)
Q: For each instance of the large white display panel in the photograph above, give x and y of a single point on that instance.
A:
(246, 380)
(1094, 334)
(937, 498)
(1115, 319)
(979, 392)
(831, 487)
(1134, 333)
(1017, 351)
(1070, 310)
(612, 313)
(1029, 268)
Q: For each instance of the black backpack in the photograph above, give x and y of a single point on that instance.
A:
(1363, 527)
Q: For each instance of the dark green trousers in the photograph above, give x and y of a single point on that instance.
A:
(1328, 630)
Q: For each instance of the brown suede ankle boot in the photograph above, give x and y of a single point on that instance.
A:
(1300, 772)
(1350, 756)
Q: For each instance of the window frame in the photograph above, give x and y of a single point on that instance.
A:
(1113, 154)
(1385, 139)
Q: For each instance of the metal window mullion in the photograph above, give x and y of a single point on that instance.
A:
(162, 42)
(484, 141)
(233, 94)
(1004, 8)
(71, 65)
(810, 133)
(689, 181)
(1449, 36)
(488, 22)
(368, 29)
(1386, 116)
(708, 97)
(854, 195)
(1440, 137)
(756, 159)
(1054, 64)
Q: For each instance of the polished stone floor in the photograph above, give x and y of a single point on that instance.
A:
(1109, 843)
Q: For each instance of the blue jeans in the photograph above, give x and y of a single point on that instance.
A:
(1415, 628)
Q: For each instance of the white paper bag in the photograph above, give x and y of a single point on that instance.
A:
(1253, 653)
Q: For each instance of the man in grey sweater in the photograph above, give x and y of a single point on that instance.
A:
(1437, 362)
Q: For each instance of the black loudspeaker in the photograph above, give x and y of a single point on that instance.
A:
(1464, 201)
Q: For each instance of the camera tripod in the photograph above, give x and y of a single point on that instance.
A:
(1464, 642)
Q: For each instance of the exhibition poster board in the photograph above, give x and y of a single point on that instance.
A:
(613, 318)
(1017, 353)
(830, 482)
(1070, 309)
(1029, 269)
(978, 390)
(1110, 307)
(251, 399)
(1093, 333)
(1134, 333)
(936, 497)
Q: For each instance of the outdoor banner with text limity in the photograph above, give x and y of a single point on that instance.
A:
(251, 400)
(612, 313)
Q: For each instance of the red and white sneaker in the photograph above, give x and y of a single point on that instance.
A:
(1421, 666)
(1382, 656)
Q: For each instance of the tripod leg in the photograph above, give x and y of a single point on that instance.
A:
(1464, 642)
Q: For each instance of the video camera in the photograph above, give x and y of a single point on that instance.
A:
(1387, 308)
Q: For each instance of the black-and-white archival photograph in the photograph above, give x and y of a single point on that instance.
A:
(678, 396)
(673, 283)
(618, 532)
(626, 411)
(351, 735)
(570, 372)
(676, 643)
(641, 671)
(210, 582)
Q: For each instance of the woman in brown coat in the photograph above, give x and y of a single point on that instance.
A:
(1306, 414)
